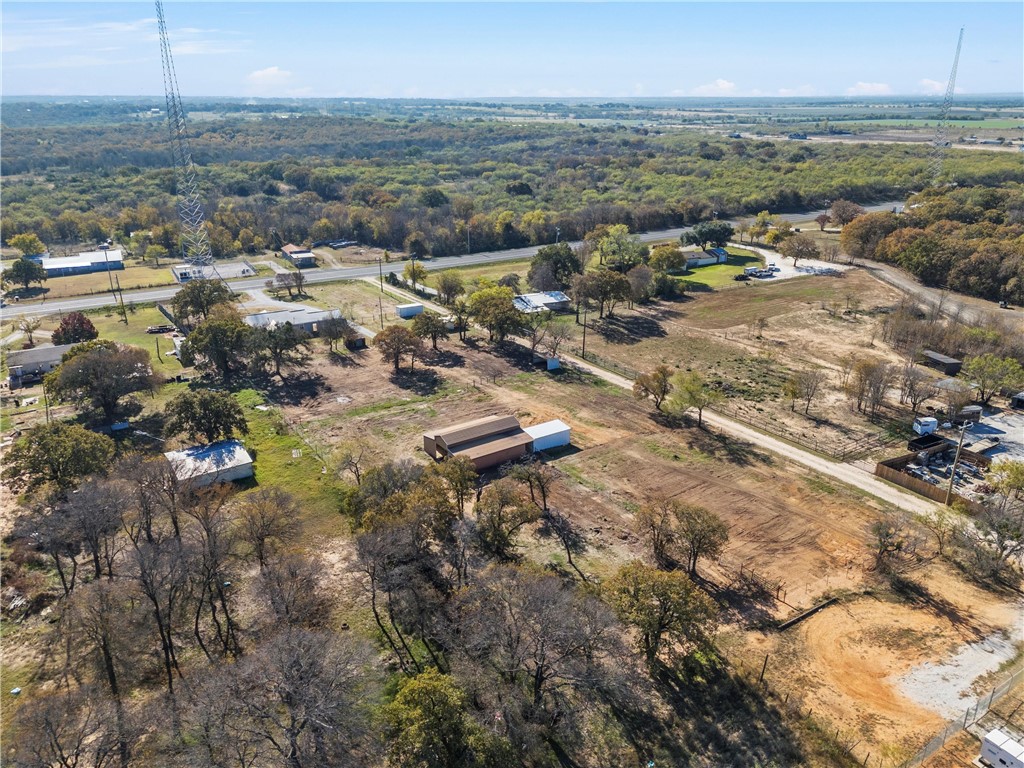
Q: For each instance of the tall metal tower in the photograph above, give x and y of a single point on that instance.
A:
(941, 140)
(195, 242)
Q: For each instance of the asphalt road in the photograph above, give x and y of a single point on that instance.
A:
(347, 273)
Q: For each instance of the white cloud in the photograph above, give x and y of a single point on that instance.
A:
(719, 87)
(932, 86)
(271, 77)
(869, 89)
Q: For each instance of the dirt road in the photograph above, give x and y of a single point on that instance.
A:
(845, 473)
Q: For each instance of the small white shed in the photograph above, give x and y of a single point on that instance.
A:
(925, 425)
(550, 434)
(405, 311)
(998, 749)
(222, 462)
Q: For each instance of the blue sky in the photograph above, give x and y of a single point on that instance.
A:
(459, 50)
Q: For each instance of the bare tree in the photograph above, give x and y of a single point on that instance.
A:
(291, 586)
(896, 543)
(655, 524)
(69, 729)
(558, 333)
(269, 520)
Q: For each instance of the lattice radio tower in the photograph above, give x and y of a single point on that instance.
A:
(941, 141)
(195, 242)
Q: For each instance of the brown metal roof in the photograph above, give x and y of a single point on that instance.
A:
(479, 429)
(477, 450)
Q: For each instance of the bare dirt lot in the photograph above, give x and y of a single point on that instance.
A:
(800, 532)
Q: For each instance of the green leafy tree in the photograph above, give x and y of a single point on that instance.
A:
(619, 249)
(431, 728)
(74, 328)
(103, 376)
(414, 273)
(461, 476)
(700, 532)
(449, 286)
(690, 390)
(608, 288)
(396, 342)
(461, 314)
(335, 329)
(655, 385)
(558, 261)
(156, 252)
(991, 373)
(59, 454)
(713, 233)
(494, 310)
(799, 247)
(24, 272)
(28, 243)
(430, 325)
(282, 345)
(197, 298)
(665, 607)
(433, 198)
(218, 345)
(203, 414)
(667, 258)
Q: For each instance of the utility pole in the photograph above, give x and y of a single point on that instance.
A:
(965, 427)
(380, 272)
(380, 306)
(586, 309)
(120, 294)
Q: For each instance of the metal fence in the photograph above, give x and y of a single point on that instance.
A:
(972, 715)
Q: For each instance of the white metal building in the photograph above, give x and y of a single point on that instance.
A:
(998, 749)
(83, 263)
(222, 462)
(307, 319)
(550, 434)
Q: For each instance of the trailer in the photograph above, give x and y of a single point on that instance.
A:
(405, 311)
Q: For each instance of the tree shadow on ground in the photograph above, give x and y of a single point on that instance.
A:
(293, 388)
(918, 595)
(444, 358)
(619, 329)
(740, 602)
(731, 719)
(421, 381)
(29, 293)
(514, 354)
(350, 360)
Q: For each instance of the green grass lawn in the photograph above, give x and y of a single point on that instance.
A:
(718, 276)
(284, 460)
(110, 326)
(487, 271)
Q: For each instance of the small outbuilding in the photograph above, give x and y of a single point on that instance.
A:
(405, 311)
(948, 365)
(547, 301)
(706, 258)
(222, 462)
(301, 258)
(550, 434)
(998, 749)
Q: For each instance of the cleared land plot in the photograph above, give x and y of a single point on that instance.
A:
(716, 333)
(793, 529)
(357, 299)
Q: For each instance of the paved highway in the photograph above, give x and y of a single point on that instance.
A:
(347, 273)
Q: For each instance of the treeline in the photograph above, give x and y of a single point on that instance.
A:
(966, 239)
(451, 187)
